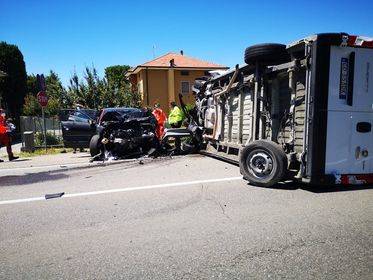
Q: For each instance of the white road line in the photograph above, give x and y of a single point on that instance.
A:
(22, 200)
(169, 185)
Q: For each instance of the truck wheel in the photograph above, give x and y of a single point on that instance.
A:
(263, 163)
(266, 54)
(95, 145)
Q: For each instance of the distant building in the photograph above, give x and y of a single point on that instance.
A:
(163, 78)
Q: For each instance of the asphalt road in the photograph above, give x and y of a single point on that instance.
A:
(182, 218)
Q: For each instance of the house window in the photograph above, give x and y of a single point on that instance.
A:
(184, 73)
(185, 87)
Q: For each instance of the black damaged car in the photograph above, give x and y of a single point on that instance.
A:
(110, 133)
(124, 132)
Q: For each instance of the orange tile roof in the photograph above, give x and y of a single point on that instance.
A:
(180, 61)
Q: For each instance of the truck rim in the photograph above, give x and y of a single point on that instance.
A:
(260, 164)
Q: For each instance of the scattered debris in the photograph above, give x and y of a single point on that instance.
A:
(54, 195)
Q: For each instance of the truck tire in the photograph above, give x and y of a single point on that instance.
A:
(263, 163)
(266, 54)
(95, 145)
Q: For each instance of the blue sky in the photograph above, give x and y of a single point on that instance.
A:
(68, 35)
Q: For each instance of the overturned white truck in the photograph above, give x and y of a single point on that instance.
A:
(302, 111)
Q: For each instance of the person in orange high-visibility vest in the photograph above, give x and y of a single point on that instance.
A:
(5, 139)
(161, 118)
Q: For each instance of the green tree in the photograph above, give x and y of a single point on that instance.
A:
(129, 98)
(87, 91)
(58, 97)
(32, 84)
(31, 106)
(119, 89)
(115, 75)
(95, 92)
(13, 85)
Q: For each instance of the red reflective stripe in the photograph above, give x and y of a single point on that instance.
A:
(344, 180)
(367, 44)
(351, 40)
(356, 179)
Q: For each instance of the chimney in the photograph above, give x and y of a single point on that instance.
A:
(182, 52)
(172, 63)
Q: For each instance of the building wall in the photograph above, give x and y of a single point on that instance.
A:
(158, 86)
(158, 89)
(193, 74)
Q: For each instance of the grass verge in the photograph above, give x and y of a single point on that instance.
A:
(43, 152)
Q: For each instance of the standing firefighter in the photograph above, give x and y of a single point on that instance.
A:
(5, 135)
(175, 118)
(161, 118)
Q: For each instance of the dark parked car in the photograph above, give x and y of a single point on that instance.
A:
(78, 127)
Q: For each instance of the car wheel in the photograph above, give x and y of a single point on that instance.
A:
(266, 54)
(263, 163)
(95, 145)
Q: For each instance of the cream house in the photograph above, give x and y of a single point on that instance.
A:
(164, 78)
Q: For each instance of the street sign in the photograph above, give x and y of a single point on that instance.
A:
(42, 98)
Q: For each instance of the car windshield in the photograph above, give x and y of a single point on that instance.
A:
(118, 114)
(77, 115)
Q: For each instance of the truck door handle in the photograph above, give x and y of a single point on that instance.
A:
(363, 127)
(351, 74)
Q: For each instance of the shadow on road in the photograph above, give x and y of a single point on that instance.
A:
(31, 178)
(84, 156)
(290, 185)
(325, 189)
(22, 159)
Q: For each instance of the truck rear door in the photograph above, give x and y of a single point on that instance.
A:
(349, 145)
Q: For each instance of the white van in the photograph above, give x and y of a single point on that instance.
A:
(302, 111)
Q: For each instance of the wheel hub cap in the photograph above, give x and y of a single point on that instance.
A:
(260, 163)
